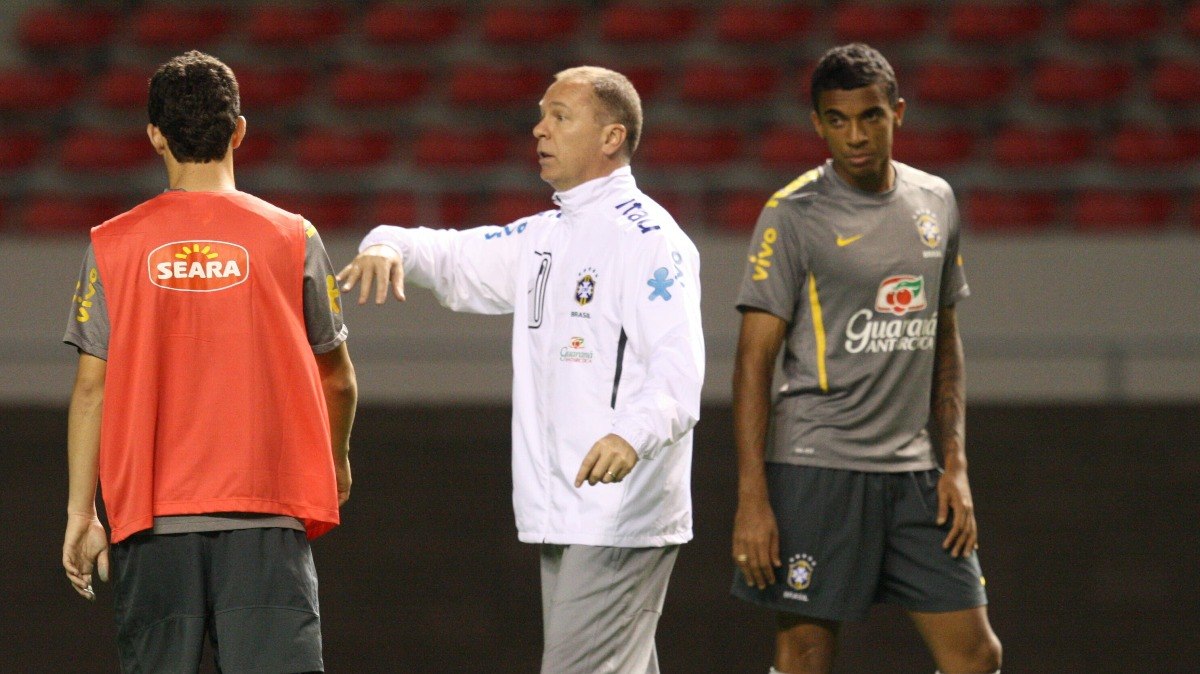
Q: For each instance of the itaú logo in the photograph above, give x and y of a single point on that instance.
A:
(198, 266)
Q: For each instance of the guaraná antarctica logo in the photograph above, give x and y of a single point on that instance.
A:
(198, 266)
(575, 352)
(867, 332)
(901, 294)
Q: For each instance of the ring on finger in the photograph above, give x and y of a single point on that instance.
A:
(742, 558)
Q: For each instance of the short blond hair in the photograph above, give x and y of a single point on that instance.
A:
(619, 101)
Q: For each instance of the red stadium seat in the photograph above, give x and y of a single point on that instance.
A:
(1176, 82)
(455, 211)
(438, 148)
(333, 150)
(505, 207)
(494, 86)
(877, 23)
(1191, 20)
(925, 148)
(709, 83)
(324, 211)
(257, 148)
(35, 90)
(647, 79)
(373, 86)
(1138, 147)
(1009, 211)
(393, 208)
(679, 148)
(1099, 210)
(752, 24)
(290, 26)
(19, 149)
(179, 26)
(1022, 147)
(1109, 22)
(628, 22)
(86, 150)
(988, 23)
(792, 148)
(124, 88)
(402, 24)
(1068, 83)
(63, 214)
(262, 88)
(735, 211)
(57, 28)
(965, 85)
(509, 24)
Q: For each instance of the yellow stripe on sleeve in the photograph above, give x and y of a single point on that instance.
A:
(819, 332)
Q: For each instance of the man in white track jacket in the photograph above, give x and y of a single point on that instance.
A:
(608, 362)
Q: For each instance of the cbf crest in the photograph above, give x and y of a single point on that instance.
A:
(928, 228)
(800, 571)
(585, 287)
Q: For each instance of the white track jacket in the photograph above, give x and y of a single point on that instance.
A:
(605, 297)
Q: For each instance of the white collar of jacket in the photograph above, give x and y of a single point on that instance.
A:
(581, 196)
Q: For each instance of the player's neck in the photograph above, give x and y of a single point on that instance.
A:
(213, 176)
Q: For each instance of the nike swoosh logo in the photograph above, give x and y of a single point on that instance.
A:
(847, 240)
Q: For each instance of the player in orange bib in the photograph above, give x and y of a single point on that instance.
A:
(213, 401)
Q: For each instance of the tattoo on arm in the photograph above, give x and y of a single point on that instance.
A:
(949, 390)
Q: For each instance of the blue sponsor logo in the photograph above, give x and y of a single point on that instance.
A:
(505, 231)
(660, 283)
(633, 211)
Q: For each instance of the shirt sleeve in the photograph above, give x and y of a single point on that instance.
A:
(954, 279)
(88, 326)
(774, 268)
(661, 317)
(323, 319)
(472, 270)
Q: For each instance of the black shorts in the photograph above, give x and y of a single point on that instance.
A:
(849, 539)
(252, 591)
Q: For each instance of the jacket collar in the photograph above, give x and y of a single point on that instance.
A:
(582, 196)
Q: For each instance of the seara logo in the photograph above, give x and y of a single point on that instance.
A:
(901, 294)
(198, 266)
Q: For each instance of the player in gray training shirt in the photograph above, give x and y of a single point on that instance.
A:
(854, 271)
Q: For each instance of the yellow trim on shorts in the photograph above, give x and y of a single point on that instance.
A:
(818, 332)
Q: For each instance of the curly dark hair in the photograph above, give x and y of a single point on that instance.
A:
(194, 102)
(852, 66)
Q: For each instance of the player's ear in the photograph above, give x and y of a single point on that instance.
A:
(612, 139)
(898, 109)
(157, 140)
(816, 122)
(239, 133)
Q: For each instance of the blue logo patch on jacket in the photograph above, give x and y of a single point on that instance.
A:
(660, 283)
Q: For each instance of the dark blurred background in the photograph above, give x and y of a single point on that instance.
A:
(1069, 129)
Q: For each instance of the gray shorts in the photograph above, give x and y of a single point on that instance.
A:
(600, 607)
(252, 591)
(848, 539)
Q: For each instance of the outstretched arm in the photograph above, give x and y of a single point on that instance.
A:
(949, 430)
(85, 545)
(472, 270)
(755, 531)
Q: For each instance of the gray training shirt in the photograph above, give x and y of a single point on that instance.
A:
(859, 278)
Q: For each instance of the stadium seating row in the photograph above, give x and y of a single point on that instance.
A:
(1053, 82)
(984, 211)
(782, 148)
(303, 26)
